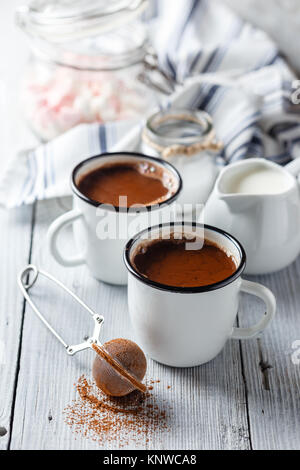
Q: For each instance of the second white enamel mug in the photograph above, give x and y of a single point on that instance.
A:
(188, 326)
(101, 231)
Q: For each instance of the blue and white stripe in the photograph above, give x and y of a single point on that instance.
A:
(221, 65)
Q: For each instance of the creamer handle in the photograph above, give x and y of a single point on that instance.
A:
(294, 167)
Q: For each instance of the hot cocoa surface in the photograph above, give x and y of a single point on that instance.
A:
(169, 262)
(141, 183)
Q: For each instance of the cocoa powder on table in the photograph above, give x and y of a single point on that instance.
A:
(132, 419)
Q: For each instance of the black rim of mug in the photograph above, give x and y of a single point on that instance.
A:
(185, 290)
(139, 156)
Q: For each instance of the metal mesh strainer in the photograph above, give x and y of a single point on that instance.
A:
(113, 375)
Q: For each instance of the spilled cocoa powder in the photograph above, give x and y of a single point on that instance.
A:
(132, 419)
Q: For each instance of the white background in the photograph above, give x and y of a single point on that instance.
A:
(13, 53)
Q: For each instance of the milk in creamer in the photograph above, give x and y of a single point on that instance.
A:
(260, 179)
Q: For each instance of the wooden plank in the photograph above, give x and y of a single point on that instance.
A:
(206, 405)
(15, 236)
(273, 381)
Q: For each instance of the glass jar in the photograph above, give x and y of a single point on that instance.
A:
(187, 140)
(86, 57)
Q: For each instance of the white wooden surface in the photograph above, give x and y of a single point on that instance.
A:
(247, 398)
(15, 235)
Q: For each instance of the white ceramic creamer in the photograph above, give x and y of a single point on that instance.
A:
(260, 179)
(258, 202)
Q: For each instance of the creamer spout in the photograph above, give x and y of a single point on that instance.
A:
(237, 202)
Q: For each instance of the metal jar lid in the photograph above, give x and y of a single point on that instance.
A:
(180, 131)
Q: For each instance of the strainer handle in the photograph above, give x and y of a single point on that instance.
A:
(25, 283)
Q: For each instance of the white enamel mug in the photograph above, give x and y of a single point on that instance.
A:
(101, 231)
(188, 326)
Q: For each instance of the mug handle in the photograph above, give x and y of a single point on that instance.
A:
(269, 299)
(52, 235)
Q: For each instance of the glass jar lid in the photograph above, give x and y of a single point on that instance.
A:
(67, 20)
(86, 34)
(180, 131)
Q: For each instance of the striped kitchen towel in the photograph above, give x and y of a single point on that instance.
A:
(219, 64)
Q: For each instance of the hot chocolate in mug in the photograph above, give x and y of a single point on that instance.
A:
(188, 326)
(101, 230)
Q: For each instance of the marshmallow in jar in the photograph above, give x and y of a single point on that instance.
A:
(86, 57)
(187, 140)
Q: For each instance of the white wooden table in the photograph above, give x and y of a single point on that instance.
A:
(247, 398)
